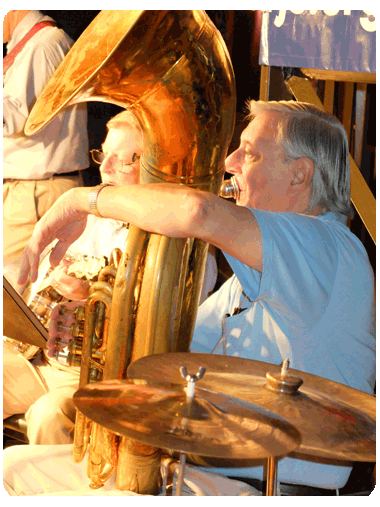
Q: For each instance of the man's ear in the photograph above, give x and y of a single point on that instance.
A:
(303, 172)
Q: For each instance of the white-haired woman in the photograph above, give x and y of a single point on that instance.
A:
(119, 165)
(43, 388)
(46, 389)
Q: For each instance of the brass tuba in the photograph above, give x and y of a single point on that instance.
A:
(171, 69)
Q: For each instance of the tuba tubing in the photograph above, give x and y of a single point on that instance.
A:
(98, 293)
(172, 70)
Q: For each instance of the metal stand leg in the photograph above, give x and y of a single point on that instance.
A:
(181, 474)
(191, 379)
(272, 477)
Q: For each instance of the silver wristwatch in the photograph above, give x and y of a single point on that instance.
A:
(93, 198)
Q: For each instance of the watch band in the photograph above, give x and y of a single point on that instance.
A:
(93, 198)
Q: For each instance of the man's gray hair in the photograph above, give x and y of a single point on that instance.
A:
(304, 130)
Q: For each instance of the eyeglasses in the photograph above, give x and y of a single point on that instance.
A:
(98, 157)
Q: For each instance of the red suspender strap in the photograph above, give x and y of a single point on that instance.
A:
(9, 59)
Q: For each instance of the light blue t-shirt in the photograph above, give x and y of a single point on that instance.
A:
(313, 303)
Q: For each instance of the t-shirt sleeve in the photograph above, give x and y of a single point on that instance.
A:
(299, 262)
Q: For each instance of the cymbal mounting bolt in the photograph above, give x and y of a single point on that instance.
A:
(285, 367)
(191, 379)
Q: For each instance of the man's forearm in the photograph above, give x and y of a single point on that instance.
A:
(166, 209)
(179, 211)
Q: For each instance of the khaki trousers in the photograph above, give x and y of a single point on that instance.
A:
(43, 391)
(24, 203)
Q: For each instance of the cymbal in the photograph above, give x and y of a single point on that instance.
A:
(335, 421)
(209, 424)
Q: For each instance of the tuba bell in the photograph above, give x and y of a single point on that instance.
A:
(172, 70)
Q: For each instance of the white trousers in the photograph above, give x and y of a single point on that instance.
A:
(50, 471)
(43, 391)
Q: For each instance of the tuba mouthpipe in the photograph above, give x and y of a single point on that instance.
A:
(229, 189)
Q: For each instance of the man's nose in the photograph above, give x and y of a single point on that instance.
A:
(233, 162)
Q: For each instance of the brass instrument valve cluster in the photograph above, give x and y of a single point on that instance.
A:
(76, 330)
(75, 345)
(96, 270)
(96, 372)
(43, 303)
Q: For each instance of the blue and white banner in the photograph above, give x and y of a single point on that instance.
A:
(330, 40)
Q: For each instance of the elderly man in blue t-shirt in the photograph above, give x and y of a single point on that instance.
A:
(303, 285)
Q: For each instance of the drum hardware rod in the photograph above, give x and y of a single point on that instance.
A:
(272, 485)
(190, 391)
(272, 466)
(180, 474)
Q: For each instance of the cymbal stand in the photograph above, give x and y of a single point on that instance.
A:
(181, 474)
(285, 383)
(191, 379)
(272, 482)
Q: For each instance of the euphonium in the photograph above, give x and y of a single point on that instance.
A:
(171, 69)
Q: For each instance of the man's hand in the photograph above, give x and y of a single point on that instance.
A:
(66, 221)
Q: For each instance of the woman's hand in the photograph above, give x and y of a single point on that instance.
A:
(66, 220)
(66, 317)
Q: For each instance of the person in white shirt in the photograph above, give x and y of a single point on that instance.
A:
(37, 169)
(43, 388)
